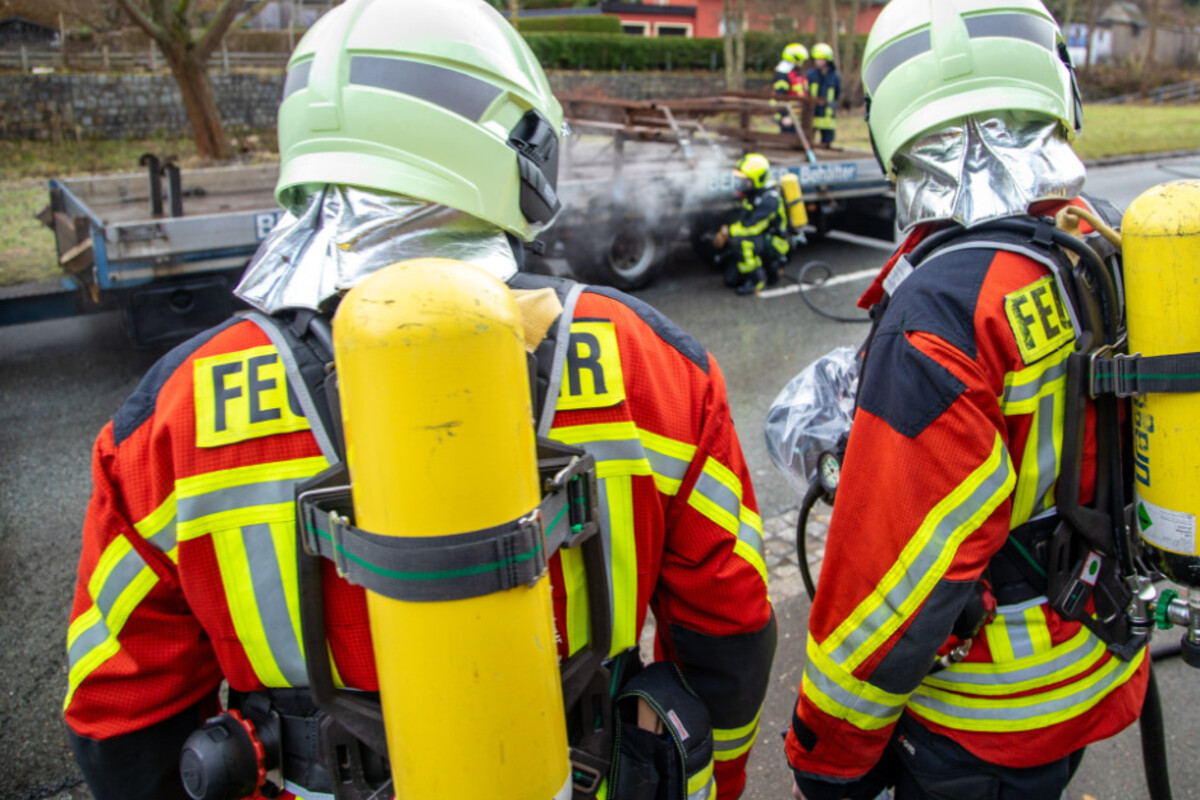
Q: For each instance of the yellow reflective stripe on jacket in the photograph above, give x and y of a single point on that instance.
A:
(1023, 713)
(702, 786)
(249, 515)
(577, 623)
(158, 527)
(258, 572)
(833, 689)
(1069, 659)
(622, 451)
(923, 561)
(1039, 391)
(262, 493)
(119, 583)
(718, 496)
(669, 459)
(616, 522)
(737, 229)
(731, 743)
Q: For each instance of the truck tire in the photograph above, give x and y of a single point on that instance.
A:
(628, 257)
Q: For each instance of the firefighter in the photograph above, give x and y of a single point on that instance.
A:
(825, 87)
(789, 83)
(407, 130)
(755, 248)
(935, 661)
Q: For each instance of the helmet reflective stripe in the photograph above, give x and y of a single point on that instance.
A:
(1012, 26)
(297, 78)
(463, 94)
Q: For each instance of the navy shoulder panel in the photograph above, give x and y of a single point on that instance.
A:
(667, 330)
(140, 405)
(940, 297)
(904, 387)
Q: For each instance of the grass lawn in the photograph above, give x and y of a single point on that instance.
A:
(1108, 130)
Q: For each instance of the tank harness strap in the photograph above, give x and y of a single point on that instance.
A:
(1128, 375)
(457, 566)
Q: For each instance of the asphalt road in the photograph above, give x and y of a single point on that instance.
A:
(61, 381)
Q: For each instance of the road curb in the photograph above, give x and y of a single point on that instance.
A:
(1134, 158)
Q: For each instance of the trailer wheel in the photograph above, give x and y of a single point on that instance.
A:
(628, 258)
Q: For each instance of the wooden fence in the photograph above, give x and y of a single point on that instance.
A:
(102, 60)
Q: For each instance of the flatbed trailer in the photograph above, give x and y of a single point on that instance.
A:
(167, 256)
(167, 246)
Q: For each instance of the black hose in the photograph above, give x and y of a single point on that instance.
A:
(802, 278)
(1154, 745)
(810, 499)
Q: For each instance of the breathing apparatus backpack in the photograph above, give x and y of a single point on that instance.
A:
(337, 743)
(1084, 551)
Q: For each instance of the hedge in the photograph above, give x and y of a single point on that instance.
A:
(585, 51)
(588, 24)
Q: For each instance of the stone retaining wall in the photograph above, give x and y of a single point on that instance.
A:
(116, 106)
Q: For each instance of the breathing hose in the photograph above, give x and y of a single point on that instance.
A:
(1154, 747)
(810, 499)
(826, 273)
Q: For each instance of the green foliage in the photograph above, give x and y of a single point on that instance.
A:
(586, 51)
(590, 24)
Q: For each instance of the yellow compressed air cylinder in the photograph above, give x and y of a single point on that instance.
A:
(793, 198)
(439, 440)
(1161, 249)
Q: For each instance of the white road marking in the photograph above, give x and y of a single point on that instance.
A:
(793, 288)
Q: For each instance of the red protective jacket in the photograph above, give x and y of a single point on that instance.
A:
(957, 440)
(187, 574)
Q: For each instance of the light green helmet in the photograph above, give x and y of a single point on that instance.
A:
(822, 50)
(930, 62)
(441, 100)
(795, 53)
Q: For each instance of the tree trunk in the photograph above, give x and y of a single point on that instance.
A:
(1151, 57)
(727, 45)
(514, 9)
(833, 27)
(734, 43)
(739, 46)
(1093, 16)
(851, 77)
(200, 105)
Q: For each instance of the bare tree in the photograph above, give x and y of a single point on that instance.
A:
(186, 46)
(833, 26)
(1093, 16)
(1155, 20)
(734, 16)
(851, 80)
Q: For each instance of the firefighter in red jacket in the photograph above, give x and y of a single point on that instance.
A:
(188, 572)
(934, 663)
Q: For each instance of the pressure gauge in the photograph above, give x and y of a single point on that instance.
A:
(829, 471)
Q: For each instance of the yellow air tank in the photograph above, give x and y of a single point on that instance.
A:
(793, 198)
(439, 441)
(1161, 233)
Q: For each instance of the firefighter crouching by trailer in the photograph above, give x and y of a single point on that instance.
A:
(192, 573)
(937, 661)
(754, 250)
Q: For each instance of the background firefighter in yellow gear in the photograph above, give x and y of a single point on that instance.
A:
(825, 87)
(790, 85)
(756, 247)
